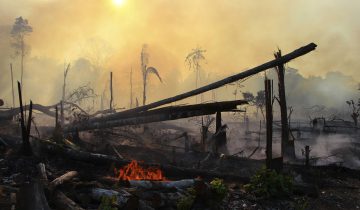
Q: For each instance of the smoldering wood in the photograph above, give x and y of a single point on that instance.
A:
(271, 64)
(160, 114)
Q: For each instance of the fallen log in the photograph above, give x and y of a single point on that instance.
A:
(64, 178)
(268, 65)
(158, 115)
(159, 185)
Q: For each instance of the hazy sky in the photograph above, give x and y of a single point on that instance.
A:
(237, 35)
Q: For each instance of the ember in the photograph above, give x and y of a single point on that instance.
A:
(133, 171)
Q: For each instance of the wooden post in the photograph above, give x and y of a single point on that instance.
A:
(269, 120)
(307, 155)
(12, 85)
(218, 121)
(111, 92)
(61, 112)
(56, 117)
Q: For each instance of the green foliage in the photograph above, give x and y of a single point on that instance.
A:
(301, 204)
(219, 188)
(107, 203)
(267, 183)
(185, 203)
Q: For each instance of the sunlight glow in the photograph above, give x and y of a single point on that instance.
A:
(118, 3)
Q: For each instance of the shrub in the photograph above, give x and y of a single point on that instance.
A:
(219, 188)
(107, 203)
(267, 183)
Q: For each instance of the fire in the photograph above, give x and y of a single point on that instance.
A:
(133, 171)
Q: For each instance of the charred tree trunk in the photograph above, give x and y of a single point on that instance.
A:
(269, 121)
(25, 132)
(111, 92)
(286, 146)
(12, 86)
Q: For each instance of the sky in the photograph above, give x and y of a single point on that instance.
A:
(236, 34)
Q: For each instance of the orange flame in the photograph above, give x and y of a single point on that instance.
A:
(133, 171)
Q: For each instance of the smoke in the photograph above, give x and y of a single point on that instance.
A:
(236, 34)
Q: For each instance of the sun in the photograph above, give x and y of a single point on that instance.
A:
(118, 3)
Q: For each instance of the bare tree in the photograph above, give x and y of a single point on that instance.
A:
(20, 30)
(258, 101)
(193, 61)
(146, 71)
(355, 110)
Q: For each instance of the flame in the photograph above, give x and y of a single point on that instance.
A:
(133, 171)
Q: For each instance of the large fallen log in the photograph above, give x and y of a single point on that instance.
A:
(271, 64)
(161, 114)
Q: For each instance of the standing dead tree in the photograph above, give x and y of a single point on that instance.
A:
(63, 95)
(285, 143)
(269, 121)
(146, 71)
(355, 110)
(25, 131)
(12, 85)
(20, 29)
(193, 61)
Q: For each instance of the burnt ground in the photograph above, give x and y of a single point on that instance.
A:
(328, 187)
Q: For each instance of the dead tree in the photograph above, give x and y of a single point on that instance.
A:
(111, 92)
(269, 121)
(12, 85)
(63, 94)
(285, 143)
(268, 65)
(25, 131)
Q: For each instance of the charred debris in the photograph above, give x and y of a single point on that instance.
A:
(87, 164)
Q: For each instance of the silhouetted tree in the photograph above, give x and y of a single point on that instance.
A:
(258, 101)
(146, 71)
(355, 109)
(20, 30)
(193, 61)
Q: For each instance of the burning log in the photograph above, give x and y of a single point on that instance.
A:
(124, 200)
